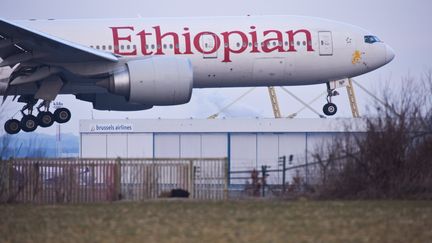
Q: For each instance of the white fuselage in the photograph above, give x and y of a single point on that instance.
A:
(235, 51)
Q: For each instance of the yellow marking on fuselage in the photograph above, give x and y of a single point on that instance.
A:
(357, 56)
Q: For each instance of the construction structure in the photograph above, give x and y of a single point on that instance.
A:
(348, 83)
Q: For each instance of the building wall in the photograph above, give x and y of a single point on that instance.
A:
(245, 151)
(247, 143)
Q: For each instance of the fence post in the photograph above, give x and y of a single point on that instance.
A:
(227, 178)
(117, 179)
(9, 179)
(191, 179)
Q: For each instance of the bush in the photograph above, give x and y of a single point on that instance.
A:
(392, 159)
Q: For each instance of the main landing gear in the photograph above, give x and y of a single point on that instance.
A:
(44, 118)
(330, 109)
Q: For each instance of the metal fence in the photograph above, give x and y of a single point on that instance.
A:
(101, 180)
(286, 181)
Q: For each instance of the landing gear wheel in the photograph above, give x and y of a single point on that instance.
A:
(12, 126)
(330, 109)
(62, 115)
(29, 123)
(45, 119)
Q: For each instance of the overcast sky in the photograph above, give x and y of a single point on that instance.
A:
(404, 25)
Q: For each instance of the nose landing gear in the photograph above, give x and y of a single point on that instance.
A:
(330, 109)
(44, 118)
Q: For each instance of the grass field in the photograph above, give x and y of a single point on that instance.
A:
(237, 221)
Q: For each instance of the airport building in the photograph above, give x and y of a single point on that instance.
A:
(246, 143)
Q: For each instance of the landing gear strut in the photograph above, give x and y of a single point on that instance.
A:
(330, 109)
(44, 118)
(28, 122)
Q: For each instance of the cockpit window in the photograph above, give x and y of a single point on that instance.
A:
(371, 39)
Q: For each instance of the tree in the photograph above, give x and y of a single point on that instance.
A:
(393, 158)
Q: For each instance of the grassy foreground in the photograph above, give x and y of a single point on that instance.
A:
(242, 221)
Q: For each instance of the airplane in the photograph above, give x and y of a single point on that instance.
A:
(135, 64)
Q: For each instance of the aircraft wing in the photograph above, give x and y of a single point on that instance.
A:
(20, 44)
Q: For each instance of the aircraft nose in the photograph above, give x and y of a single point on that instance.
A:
(390, 54)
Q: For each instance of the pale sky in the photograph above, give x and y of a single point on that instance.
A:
(404, 25)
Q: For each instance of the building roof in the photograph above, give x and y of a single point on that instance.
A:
(242, 125)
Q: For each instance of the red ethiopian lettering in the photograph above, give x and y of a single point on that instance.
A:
(160, 37)
(268, 42)
(143, 35)
(228, 50)
(291, 36)
(197, 42)
(117, 39)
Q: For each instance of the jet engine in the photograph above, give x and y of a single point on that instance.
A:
(154, 81)
(111, 102)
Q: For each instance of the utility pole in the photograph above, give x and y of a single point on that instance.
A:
(264, 176)
(282, 162)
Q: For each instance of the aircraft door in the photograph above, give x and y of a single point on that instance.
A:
(209, 45)
(325, 43)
